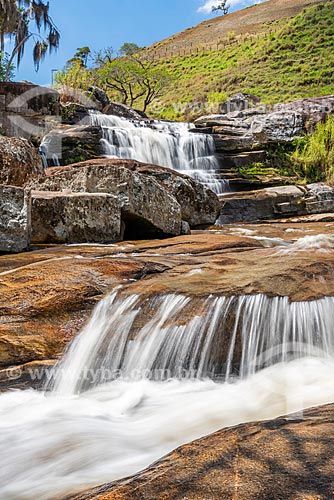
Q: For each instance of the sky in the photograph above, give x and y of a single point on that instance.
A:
(109, 23)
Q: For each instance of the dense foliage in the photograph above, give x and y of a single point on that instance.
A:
(314, 155)
(131, 77)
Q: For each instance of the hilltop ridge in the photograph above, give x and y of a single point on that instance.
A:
(251, 20)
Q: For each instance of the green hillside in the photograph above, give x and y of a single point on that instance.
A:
(278, 58)
(293, 59)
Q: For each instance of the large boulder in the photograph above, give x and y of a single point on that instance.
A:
(123, 111)
(244, 130)
(70, 144)
(199, 205)
(15, 223)
(99, 95)
(148, 210)
(238, 102)
(19, 161)
(313, 109)
(282, 126)
(75, 218)
(262, 204)
(286, 458)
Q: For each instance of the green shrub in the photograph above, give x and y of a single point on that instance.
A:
(314, 155)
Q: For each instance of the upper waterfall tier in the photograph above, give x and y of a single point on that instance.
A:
(162, 143)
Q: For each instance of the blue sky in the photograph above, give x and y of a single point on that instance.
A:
(105, 23)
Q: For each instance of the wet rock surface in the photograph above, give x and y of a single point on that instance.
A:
(47, 295)
(286, 458)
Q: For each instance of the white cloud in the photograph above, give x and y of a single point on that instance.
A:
(234, 4)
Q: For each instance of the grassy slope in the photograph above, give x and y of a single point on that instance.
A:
(293, 59)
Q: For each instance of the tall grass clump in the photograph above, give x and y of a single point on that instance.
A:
(314, 156)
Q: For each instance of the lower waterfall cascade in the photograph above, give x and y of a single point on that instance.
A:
(258, 330)
(147, 375)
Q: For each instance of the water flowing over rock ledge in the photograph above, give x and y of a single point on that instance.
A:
(47, 295)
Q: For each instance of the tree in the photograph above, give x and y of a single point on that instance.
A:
(121, 75)
(104, 56)
(82, 55)
(134, 78)
(6, 71)
(221, 7)
(129, 49)
(75, 76)
(16, 18)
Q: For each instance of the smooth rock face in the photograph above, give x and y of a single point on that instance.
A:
(284, 459)
(199, 205)
(148, 210)
(277, 202)
(15, 225)
(71, 144)
(46, 296)
(75, 218)
(19, 161)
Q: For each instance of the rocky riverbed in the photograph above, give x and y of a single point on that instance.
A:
(236, 314)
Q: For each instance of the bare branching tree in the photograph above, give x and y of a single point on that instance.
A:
(221, 7)
(133, 75)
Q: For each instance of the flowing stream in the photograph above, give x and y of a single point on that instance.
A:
(149, 374)
(167, 144)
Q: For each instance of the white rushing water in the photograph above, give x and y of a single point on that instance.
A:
(220, 338)
(146, 376)
(168, 144)
(54, 445)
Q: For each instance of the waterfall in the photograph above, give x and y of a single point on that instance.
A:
(49, 151)
(166, 144)
(175, 337)
(147, 375)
